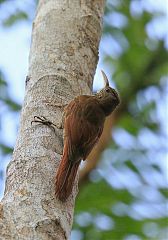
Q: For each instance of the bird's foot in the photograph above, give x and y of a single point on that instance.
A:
(43, 120)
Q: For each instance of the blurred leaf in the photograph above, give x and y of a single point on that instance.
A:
(164, 191)
(3, 82)
(156, 167)
(2, 79)
(2, 1)
(6, 149)
(12, 104)
(132, 125)
(4, 96)
(104, 198)
(132, 167)
(1, 174)
(17, 16)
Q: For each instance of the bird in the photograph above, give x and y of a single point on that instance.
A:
(84, 119)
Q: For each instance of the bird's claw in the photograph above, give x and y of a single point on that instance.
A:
(43, 120)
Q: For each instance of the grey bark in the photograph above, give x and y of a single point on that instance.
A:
(63, 58)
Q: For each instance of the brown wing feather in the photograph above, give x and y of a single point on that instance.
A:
(83, 125)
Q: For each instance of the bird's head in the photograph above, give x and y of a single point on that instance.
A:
(108, 97)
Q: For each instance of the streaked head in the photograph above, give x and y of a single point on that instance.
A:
(108, 97)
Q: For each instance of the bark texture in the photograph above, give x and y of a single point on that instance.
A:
(63, 58)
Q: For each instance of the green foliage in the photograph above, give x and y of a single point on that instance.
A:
(7, 105)
(6, 149)
(17, 16)
(86, 202)
(5, 98)
(2, 1)
(15, 11)
(99, 199)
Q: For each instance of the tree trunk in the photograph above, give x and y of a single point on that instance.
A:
(63, 58)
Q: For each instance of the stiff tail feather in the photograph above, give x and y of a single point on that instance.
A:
(65, 178)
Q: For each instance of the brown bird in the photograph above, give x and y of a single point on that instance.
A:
(84, 119)
(83, 125)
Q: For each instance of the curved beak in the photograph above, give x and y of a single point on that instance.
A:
(105, 79)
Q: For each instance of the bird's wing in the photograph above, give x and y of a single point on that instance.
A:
(83, 127)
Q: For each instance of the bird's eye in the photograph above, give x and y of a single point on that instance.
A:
(108, 90)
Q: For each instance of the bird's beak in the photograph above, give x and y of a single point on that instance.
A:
(106, 81)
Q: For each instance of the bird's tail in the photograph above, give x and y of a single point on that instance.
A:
(65, 177)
